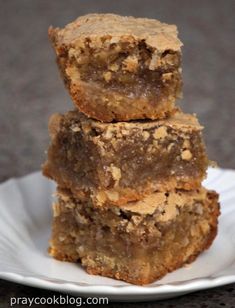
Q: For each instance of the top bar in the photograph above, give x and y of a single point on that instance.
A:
(120, 68)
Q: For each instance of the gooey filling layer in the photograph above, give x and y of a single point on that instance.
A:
(131, 71)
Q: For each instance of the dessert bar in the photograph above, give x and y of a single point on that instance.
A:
(138, 242)
(124, 161)
(120, 68)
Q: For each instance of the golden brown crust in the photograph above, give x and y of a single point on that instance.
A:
(157, 35)
(122, 109)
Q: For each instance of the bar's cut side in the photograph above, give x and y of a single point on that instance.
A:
(120, 68)
(121, 162)
(138, 242)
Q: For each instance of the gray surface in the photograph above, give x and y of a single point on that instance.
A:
(31, 89)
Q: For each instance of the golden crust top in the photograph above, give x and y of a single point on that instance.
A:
(179, 120)
(114, 28)
(168, 203)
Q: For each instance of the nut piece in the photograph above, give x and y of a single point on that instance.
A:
(186, 155)
(155, 62)
(131, 64)
(186, 144)
(75, 129)
(114, 67)
(108, 134)
(116, 173)
(166, 77)
(56, 209)
(112, 195)
(107, 76)
(101, 198)
(146, 135)
(160, 132)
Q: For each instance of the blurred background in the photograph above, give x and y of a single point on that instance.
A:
(31, 89)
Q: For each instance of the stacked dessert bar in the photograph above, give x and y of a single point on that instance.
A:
(128, 163)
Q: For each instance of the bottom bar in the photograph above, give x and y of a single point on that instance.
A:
(138, 242)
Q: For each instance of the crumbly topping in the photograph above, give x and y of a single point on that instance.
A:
(166, 203)
(146, 206)
(180, 121)
(103, 29)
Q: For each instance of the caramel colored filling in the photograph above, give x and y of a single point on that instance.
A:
(133, 164)
(133, 72)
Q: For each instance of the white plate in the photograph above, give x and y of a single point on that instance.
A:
(25, 216)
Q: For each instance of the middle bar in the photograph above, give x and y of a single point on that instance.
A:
(124, 161)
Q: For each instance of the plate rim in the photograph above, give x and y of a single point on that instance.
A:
(86, 289)
(125, 290)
